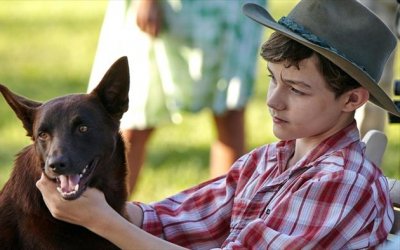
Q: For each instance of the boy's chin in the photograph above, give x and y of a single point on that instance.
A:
(283, 135)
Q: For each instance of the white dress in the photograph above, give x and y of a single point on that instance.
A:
(205, 57)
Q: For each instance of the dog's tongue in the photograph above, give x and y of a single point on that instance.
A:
(68, 182)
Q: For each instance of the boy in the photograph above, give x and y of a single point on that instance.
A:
(314, 189)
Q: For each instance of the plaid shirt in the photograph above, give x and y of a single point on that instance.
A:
(333, 198)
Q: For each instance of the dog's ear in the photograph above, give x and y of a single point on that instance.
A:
(114, 87)
(23, 107)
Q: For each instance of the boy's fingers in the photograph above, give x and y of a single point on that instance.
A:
(39, 183)
(45, 185)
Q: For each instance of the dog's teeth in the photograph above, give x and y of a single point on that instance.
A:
(69, 193)
(84, 170)
(59, 190)
(76, 187)
(81, 175)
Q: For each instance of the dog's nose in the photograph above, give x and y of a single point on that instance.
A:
(57, 164)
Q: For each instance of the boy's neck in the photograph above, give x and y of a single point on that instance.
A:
(304, 145)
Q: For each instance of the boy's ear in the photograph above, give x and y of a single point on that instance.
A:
(355, 98)
(23, 107)
(114, 87)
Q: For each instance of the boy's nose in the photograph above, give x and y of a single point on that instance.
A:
(275, 99)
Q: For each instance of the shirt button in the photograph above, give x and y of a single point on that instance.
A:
(267, 211)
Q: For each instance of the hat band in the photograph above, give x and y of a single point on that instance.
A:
(309, 36)
(300, 30)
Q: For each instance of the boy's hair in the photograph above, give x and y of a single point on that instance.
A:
(279, 48)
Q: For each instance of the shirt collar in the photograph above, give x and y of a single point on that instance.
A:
(341, 139)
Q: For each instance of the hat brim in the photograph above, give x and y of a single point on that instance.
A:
(377, 95)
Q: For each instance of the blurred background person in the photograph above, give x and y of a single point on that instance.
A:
(371, 116)
(183, 56)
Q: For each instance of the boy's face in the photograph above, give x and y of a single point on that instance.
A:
(301, 104)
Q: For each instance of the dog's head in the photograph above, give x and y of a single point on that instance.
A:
(76, 135)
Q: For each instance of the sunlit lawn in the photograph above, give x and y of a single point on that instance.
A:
(46, 50)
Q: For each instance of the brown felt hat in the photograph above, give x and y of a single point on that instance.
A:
(343, 31)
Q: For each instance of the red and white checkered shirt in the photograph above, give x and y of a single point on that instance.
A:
(333, 198)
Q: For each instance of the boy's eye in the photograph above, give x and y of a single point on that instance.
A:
(296, 91)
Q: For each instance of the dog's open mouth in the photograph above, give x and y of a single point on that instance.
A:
(72, 186)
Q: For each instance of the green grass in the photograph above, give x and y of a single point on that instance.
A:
(47, 49)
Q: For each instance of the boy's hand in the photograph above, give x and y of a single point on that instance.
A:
(83, 211)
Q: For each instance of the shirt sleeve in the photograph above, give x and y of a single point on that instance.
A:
(337, 211)
(198, 217)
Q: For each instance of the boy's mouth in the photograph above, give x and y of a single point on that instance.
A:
(277, 120)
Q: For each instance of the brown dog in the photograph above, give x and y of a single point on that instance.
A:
(76, 143)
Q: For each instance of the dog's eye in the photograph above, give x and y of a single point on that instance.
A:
(43, 136)
(83, 129)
